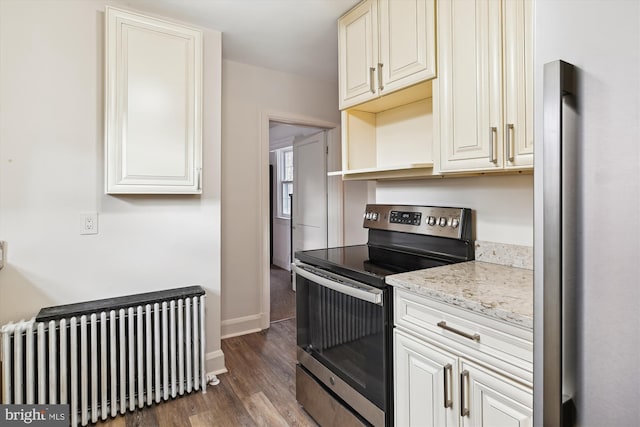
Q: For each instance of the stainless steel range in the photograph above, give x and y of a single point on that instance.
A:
(344, 308)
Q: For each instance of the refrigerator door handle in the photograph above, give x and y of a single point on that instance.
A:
(553, 345)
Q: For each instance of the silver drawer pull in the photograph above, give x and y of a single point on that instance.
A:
(448, 398)
(443, 325)
(464, 396)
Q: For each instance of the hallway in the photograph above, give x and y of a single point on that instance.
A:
(283, 299)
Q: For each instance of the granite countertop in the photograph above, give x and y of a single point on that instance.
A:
(495, 290)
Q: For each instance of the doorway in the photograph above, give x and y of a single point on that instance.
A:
(280, 133)
(298, 176)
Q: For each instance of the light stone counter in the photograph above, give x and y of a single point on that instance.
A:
(498, 291)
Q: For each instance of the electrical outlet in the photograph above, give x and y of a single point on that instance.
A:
(89, 223)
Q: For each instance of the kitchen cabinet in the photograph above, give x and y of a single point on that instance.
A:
(484, 92)
(153, 110)
(389, 140)
(453, 367)
(384, 46)
(496, 401)
(425, 383)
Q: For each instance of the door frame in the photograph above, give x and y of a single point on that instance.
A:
(334, 194)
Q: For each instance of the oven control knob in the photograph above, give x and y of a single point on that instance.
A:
(455, 222)
(431, 220)
(443, 221)
(332, 380)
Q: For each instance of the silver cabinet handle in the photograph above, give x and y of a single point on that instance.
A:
(510, 144)
(448, 398)
(443, 325)
(372, 88)
(493, 158)
(464, 397)
(380, 86)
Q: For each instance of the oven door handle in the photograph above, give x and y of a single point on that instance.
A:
(361, 291)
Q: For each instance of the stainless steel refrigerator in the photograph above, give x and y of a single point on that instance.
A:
(587, 213)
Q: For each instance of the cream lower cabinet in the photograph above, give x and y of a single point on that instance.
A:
(441, 380)
(496, 401)
(484, 95)
(425, 385)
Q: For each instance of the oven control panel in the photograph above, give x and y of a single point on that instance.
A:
(399, 217)
(429, 220)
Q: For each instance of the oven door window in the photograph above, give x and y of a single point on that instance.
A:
(345, 334)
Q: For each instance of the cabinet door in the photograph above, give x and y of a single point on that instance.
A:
(420, 393)
(469, 89)
(518, 83)
(358, 54)
(407, 43)
(493, 400)
(153, 105)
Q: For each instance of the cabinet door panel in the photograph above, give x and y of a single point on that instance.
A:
(495, 401)
(470, 86)
(358, 53)
(419, 378)
(518, 83)
(153, 105)
(407, 42)
(157, 84)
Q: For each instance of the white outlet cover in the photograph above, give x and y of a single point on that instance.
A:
(88, 223)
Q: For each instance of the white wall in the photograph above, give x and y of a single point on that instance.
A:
(502, 204)
(356, 196)
(51, 169)
(248, 93)
(602, 39)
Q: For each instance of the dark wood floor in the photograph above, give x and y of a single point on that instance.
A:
(283, 299)
(258, 390)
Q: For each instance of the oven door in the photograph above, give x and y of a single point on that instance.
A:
(342, 338)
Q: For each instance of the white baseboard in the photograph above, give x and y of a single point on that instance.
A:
(285, 264)
(241, 326)
(215, 363)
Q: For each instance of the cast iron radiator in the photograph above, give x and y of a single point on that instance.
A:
(108, 356)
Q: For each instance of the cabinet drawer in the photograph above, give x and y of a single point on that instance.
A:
(492, 341)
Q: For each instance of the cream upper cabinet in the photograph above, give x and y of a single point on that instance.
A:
(385, 45)
(484, 92)
(153, 128)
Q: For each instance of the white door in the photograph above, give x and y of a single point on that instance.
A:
(310, 193)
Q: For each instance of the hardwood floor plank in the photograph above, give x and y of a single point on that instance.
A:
(113, 422)
(258, 390)
(142, 419)
(263, 412)
(224, 408)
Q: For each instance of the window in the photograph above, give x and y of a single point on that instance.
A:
(285, 181)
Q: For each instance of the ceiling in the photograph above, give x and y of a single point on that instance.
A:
(294, 36)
